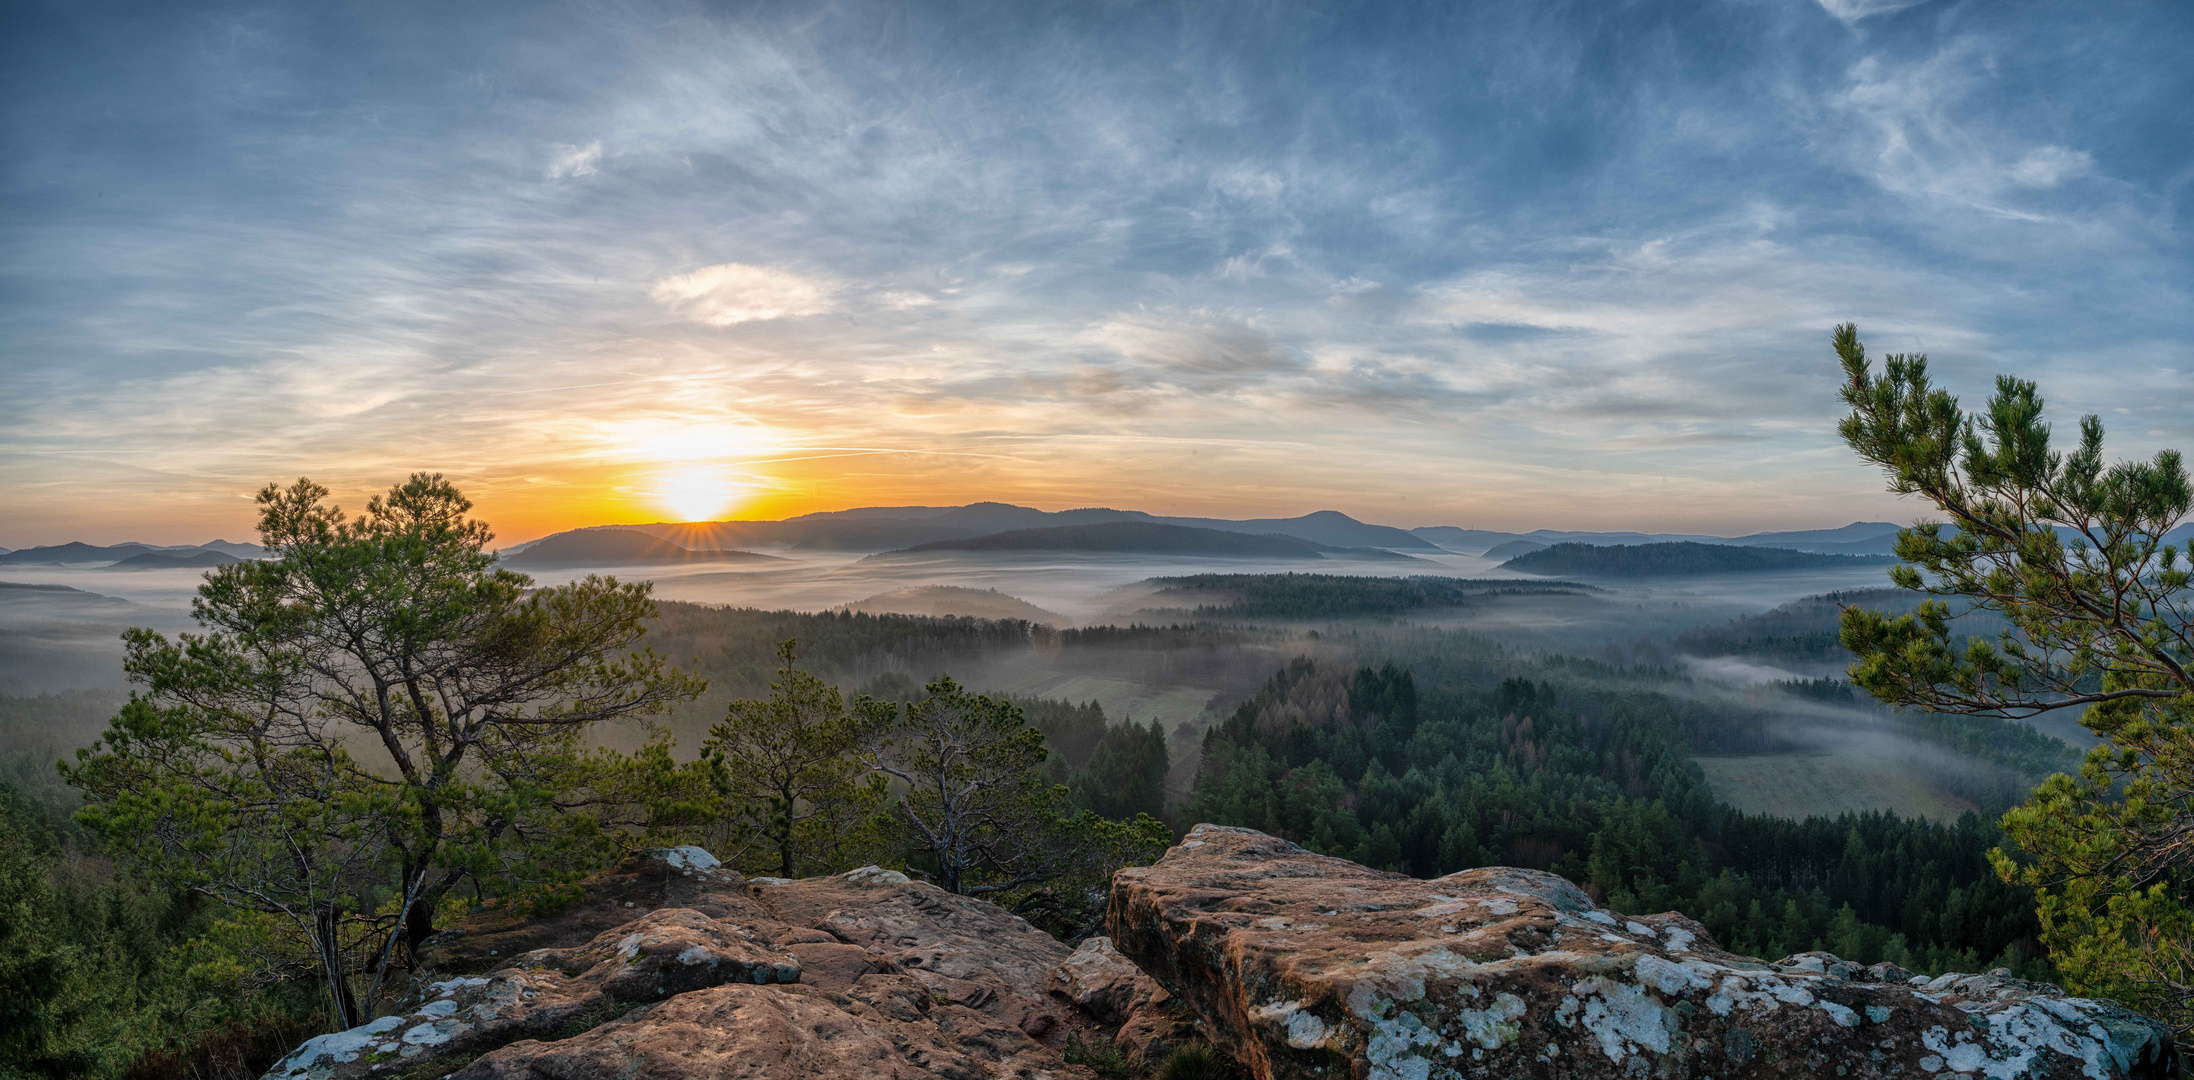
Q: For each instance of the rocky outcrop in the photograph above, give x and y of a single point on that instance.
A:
(676, 967)
(1109, 989)
(1297, 965)
(1307, 966)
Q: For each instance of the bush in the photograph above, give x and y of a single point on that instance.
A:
(1196, 1061)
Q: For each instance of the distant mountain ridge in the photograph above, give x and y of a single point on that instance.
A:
(618, 547)
(162, 560)
(1857, 538)
(1680, 559)
(1146, 538)
(77, 553)
(891, 528)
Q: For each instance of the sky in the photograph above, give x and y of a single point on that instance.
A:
(1498, 265)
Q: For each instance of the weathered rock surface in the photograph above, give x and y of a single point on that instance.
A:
(675, 967)
(1113, 991)
(1307, 966)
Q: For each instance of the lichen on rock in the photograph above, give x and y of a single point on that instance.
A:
(1308, 966)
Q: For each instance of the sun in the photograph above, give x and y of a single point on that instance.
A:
(697, 493)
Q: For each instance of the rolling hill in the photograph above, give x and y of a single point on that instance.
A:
(1676, 560)
(166, 560)
(887, 528)
(1857, 538)
(617, 547)
(1512, 549)
(72, 553)
(77, 553)
(1148, 538)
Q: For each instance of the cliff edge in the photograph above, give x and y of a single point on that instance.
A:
(1293, 964)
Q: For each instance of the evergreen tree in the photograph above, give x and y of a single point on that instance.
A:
(2071, 554)
(793, 793)
(394, 634)
(981, 817)
(1126, 774)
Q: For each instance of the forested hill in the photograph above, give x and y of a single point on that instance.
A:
(1149, 538)
(1678, 559)
(1329, 596)
(1427, 770)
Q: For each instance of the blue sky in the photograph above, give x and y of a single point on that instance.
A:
(1498, 265)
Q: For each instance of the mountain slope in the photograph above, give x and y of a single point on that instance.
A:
(72, 553)
(165, 560)
(887, 528)
(1678, 559)
(616, 547)
(1512, 549)
(1146, 538)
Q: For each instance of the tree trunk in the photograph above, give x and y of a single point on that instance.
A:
(342, 1007)
(419, 922)
(784, 840)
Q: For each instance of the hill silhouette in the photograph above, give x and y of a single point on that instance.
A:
(1148, 538)
(163, 560)
(617, 547)
(1676, 560)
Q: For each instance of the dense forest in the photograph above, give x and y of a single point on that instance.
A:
(1395, 744)
(1676, 560)
(1330, 596)
(1148, 538)
(1595, 784)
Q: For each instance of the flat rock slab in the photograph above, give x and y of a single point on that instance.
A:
(1308, 966)
(672, 966)
(887, 1028)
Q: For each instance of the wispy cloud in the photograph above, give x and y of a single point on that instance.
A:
(573, 161)
(735, 293)
(1526, 267)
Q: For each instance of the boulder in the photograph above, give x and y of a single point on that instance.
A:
(673, 966)
(1308, 966)
(1106, 987)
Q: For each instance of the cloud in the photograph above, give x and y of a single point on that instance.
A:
(1219, 252)
(1920, 137)
(572, 161)
(732, 293)
(2049, 166)
(1851, 11)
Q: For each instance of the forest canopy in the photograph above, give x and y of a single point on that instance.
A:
(1684, 558)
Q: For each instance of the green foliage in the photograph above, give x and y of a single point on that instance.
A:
(233, 773)
(1684, 558)
(1333, 596)
(2070, 555)
(1071, 732)
(794, 798)
(1099, 1055)
(1196, 1061)
(1126, 774)
(980, 817)
(734, 647)
(99, 971)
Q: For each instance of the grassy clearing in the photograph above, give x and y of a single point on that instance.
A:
(1798, 785)
(1121, 698)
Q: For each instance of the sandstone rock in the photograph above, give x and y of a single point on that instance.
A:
(672, 966)
(888, 1028)
(1109, 989)
(547, 991)
(1307, 966)
(1101, 982)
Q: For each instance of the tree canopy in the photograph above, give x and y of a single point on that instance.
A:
(375, 713)
(2073, 556)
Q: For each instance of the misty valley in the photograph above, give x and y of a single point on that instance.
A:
(1662, 720)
